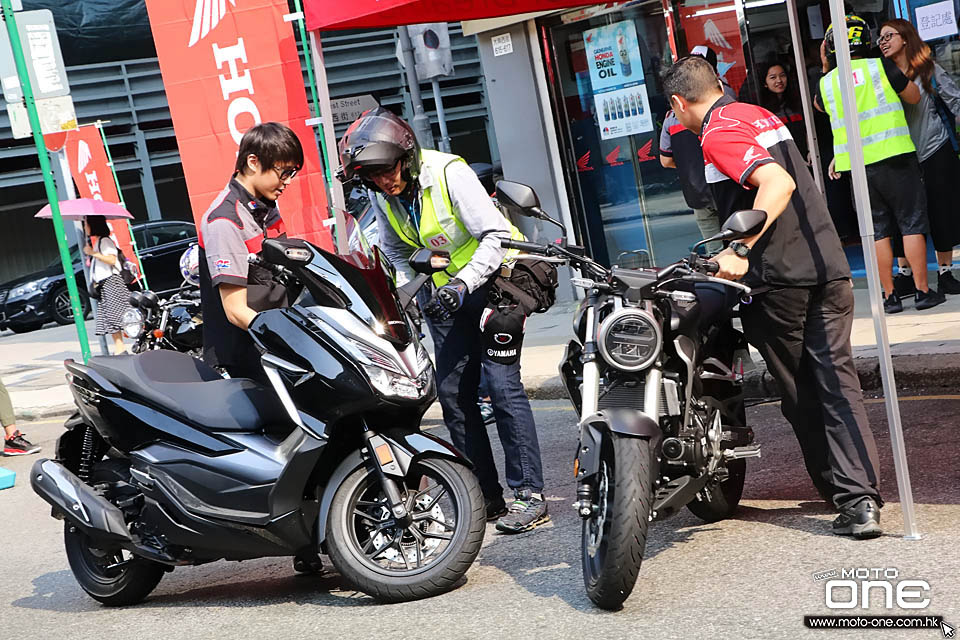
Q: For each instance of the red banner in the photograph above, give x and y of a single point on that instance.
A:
(228, 65)
(94, 178)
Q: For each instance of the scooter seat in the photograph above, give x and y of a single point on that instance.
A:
(187, 388)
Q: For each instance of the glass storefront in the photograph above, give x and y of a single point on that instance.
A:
(604, 65)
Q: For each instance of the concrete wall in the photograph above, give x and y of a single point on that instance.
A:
(521, 130)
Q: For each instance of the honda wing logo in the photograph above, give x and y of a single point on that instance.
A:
(83, 156)
(752, 154)
(206, 17)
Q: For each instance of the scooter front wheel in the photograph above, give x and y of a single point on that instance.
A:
(420, 556)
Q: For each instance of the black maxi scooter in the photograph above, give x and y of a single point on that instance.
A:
(166, 463)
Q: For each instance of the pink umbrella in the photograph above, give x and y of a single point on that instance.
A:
(82, 207)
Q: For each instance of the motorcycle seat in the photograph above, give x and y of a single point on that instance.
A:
(189, 389)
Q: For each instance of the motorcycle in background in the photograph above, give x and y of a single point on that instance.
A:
(652, 372)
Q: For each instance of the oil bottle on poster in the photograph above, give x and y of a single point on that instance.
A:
(625, 66)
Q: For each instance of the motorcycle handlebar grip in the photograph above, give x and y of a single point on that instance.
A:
(708, 267)
(529, 247)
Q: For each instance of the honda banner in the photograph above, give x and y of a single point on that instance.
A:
(94, 179)
(228, 65)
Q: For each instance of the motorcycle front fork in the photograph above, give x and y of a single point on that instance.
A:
(383, 461)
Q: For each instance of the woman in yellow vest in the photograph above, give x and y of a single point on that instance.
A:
(425, 198)
(897, 197)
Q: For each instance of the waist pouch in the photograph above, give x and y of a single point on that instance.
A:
(531, 285)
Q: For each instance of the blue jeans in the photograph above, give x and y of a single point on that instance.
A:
(459, 360)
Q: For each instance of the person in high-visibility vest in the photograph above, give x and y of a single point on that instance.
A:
(428, 199)
(897, 196)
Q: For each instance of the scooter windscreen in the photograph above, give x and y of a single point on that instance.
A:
(361, 281)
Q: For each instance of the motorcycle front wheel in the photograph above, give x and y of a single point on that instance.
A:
(423, 556)
(613, 539)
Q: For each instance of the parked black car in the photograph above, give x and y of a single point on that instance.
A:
(29, 302)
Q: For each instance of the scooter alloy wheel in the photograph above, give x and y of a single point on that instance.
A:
(397, 561)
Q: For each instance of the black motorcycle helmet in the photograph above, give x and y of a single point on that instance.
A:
(376, 140)
(858, 34)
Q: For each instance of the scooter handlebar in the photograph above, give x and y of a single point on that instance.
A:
(529, 247)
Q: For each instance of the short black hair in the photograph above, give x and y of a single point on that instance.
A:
(273, 143)
(691, 78)
(98, 226)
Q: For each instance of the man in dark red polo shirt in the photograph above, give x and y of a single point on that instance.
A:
(236, 224)
(802, 309)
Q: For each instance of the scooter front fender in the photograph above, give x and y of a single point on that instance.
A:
(406, 446)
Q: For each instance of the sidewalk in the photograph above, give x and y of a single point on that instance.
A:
(925, 347)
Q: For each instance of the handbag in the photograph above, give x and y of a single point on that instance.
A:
(949, 120)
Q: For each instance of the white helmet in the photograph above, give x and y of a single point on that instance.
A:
(190, 265)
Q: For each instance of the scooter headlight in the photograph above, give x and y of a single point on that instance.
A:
(387, 377)
(132, 322)
(630, 339)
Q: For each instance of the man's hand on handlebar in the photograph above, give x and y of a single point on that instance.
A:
(731, 266)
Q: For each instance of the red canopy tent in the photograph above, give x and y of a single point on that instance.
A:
(328, 15)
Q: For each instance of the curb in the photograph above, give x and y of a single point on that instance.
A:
(32, 414)
(910, 372)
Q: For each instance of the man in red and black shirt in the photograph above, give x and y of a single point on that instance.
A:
(802, 309)
(236, 224)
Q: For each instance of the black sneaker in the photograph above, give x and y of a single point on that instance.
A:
(18, 445)
(308, 564)
(495, 508)
(892, 304)
(862, 520)
(903, 286)
(929, 298)
(946, 283)
(526, 512)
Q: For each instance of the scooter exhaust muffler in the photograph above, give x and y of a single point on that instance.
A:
(78, 502)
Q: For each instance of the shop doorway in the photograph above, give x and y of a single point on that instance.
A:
(604, 69)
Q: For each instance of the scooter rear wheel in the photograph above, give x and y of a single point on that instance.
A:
(402, 561)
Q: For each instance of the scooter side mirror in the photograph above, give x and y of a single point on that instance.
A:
(743, 224)
(519, 198)
(427, 261)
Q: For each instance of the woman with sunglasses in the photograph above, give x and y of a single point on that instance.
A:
(900, 42)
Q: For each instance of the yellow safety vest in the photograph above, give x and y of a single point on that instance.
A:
(440, 228)
(883, 125)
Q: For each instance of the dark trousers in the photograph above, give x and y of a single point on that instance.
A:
(460, 358)
(803, 334)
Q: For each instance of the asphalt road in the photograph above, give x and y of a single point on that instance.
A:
(748, 577)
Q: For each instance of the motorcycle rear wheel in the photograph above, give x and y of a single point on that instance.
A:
(724, 496)
(398, 563)
(613, 540)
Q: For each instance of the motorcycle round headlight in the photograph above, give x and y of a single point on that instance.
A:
(630, 339)
(132, 322)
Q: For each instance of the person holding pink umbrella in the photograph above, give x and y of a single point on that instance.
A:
(105, 268)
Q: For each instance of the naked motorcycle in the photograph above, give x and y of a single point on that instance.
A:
(653, 372)
(166, 463)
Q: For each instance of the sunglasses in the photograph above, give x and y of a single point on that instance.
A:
(381, 172)
(886, 37)
(286, 174)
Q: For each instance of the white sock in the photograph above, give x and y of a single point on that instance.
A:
(906, 271)
(945, 268)
(538, 496)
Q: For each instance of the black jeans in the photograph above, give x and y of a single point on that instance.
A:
(460, 357)
(803, 334)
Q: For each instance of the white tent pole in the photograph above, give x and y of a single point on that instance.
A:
(862, 198)
(330, 138)
(800, 65)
